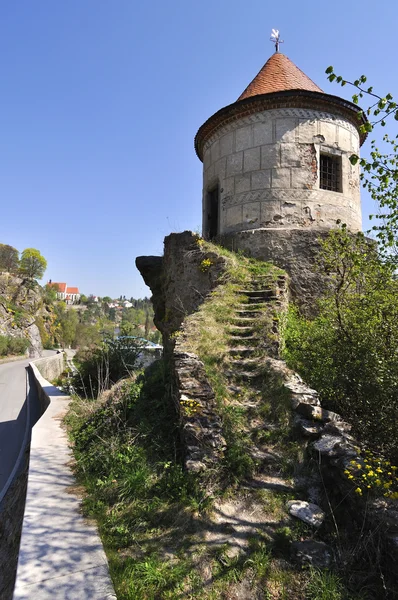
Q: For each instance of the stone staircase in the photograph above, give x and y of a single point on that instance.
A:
(254, 329)
(254, 337)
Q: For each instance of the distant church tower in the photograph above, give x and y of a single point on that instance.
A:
(277, 159)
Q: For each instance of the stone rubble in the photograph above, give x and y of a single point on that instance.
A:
(306, 511)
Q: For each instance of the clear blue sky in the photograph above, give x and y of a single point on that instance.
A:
(101, 99)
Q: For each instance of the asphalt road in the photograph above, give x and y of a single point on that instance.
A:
(14, 387)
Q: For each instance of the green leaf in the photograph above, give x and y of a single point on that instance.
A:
(329, 70)
(354, 158)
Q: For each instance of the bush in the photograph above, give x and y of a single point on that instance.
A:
(13, 345)
(103, 366)
(349, 352)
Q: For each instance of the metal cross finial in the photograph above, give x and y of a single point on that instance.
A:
(276, 38)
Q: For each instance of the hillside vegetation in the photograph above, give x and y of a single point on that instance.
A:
(224, 533)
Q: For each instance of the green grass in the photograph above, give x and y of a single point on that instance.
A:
(129, 460)
(324, 585)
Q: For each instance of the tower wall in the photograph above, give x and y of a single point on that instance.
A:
(266, 168)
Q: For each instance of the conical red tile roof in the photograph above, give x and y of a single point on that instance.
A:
(279, 74)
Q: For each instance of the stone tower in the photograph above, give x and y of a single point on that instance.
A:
(277, 159)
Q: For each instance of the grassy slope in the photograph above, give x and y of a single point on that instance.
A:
(157, 522)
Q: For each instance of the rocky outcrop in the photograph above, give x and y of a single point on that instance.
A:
(334, 449)
(180, 281)
(20, 305)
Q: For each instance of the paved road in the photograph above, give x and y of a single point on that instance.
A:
(13, 410)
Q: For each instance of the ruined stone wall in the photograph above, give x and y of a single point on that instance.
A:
(294, 250)
(177, 282)
(179, 287)
(267, 169)
(332, 447)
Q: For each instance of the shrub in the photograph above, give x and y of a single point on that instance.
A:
(102, 366)
(349, 351)
(13, 345)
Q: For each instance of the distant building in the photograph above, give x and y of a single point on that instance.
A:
(70, 295)
(127, 304)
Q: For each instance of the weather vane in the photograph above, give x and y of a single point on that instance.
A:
(276, 38)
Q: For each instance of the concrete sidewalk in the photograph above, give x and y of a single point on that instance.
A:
(61, 555)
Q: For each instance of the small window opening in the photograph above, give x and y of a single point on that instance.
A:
(330, 173)
(212, 213)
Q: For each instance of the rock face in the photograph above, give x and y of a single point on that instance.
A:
(201, 425)
(307, 512)
(179, 286)
(177, 282)
(20, 304)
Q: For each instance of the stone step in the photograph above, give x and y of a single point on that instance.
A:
(243, 350)
(265, 294)
(243, 321)
(253, 314)
(246, 363)
(242, 333)
(244, 375)
(252, 306)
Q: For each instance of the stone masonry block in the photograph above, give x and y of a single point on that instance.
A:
(290, 155)
(234, 164)
(234, 216)
(281, 178)
(262, 133)
(207, 159)
(303, 179)
(242, 183)
(228, 187)
(251, 213)
(251, 159)
(215, 151)
(226, 144)
(306, 131)
(270, 156)
(209, 173)
(268, 211)
(261, 179)
(243, 138)
(285, 129)
(345, 142)
(329, 132)
(221, 167)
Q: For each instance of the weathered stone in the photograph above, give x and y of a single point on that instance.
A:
(306, 511)
(335, 446)
(316, 413)
(313, 553)
(307, 428)
(304, 399)
(338, 428)
(294, 250)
